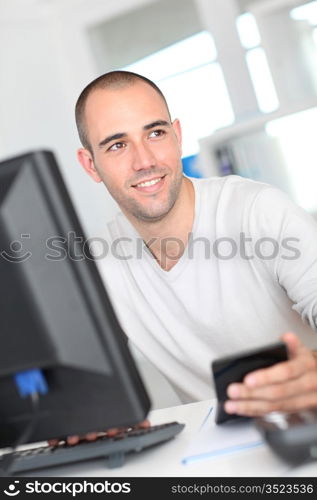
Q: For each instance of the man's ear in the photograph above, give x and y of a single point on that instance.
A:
(178, 132)
(85, 159)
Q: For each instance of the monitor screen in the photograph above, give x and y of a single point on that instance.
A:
(56, 315)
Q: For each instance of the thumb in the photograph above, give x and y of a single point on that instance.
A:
(294, 345)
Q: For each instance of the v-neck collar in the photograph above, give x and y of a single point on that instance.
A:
(175, 271)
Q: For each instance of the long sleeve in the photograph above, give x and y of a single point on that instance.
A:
(291, 234)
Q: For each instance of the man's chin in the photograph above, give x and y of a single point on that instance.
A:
(152, 210)
(150, 217)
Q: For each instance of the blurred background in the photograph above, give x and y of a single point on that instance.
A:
(241, 75)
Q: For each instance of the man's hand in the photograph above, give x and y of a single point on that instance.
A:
(92, 436)
(287, 386)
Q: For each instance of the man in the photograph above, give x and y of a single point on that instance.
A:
(199, 268)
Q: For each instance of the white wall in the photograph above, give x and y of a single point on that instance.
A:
(45, 63)
(156, 25)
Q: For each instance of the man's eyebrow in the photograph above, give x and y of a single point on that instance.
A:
(121, 135)
(157, 123)
(110, 138)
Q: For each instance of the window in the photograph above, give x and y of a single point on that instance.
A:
(257, 63)
(296, 136)
(306, 12)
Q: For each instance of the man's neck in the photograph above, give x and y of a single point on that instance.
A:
(167, 238)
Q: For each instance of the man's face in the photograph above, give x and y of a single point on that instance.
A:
(136, 149)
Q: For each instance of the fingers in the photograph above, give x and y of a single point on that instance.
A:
(53, 442)
(287, 386)
(254, 408)
(92, 436)
(302, 361)
(305, 383)
(143, 425)
(116, 430)
(71, 440)
(294, 345)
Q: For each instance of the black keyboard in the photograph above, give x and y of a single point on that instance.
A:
(114, 448)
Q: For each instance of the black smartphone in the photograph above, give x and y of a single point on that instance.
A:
(234, 368)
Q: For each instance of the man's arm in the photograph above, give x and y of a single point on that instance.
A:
(291, 385)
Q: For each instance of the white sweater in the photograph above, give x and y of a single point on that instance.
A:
(248, 275)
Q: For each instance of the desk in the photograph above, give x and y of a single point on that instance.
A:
(165, 459)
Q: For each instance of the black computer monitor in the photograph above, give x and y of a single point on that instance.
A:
(56, 316)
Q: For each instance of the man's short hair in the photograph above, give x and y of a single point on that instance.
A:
(110, 80)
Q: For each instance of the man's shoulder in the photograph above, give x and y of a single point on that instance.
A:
(230, 185)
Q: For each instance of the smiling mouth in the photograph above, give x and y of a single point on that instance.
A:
(149, 183)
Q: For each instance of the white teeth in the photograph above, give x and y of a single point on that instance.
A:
(149, 183)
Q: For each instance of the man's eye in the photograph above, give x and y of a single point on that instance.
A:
(157, 133)
(116, 146)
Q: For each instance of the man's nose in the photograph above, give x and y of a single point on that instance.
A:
(143, 157)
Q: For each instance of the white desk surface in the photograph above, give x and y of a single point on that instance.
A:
(165, 459)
